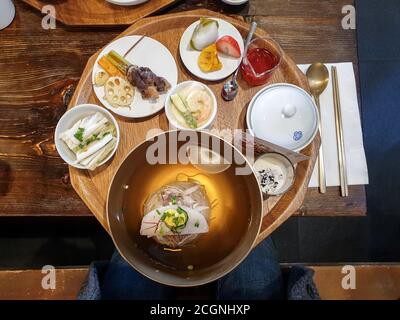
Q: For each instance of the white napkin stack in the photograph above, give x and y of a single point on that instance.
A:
(357, 171)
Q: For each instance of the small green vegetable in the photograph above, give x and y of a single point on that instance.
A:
(180, 210)
(79, 134)
(190, 120)
(164, 215)
(197, 224)
(184, 110)
(173, 199)
(94, 137)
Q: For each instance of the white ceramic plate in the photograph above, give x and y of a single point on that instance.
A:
(190, 56)
(148, 53)
(126, 2)
(283, 114)
(69, 119)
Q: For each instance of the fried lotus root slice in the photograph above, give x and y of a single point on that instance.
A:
(101, 78)
(119, 92)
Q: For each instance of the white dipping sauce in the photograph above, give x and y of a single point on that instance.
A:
(275, 173)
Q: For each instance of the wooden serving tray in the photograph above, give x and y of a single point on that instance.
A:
(99, 12)
(92, 187)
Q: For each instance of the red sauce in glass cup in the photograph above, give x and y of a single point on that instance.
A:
(262, 61)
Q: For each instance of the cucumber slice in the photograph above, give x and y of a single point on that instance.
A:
(178, 102)
(184, 110)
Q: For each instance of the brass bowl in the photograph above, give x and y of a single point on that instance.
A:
(233, 227)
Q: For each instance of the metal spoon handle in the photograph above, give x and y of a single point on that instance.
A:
(253, 28)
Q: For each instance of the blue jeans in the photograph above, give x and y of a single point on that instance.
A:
(257, 277)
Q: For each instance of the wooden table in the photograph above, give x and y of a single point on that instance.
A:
(374, 282)
(40, 68)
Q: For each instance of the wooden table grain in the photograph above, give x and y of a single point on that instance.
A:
(40, 68)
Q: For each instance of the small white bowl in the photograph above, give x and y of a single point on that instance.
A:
(235, 2)
(127, 2)
(69, 119)
(269, 161)
(181, 86)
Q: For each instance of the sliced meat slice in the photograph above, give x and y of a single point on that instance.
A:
(148, 83)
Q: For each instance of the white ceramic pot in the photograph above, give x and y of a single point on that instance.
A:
(7, 13)
(283, 114)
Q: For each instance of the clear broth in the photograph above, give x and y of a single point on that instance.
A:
(229, 218)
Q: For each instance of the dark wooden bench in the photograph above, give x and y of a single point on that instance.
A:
(374, 281)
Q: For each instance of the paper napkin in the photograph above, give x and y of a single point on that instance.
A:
(357, 171)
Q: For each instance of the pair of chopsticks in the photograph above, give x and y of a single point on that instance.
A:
(344, 189)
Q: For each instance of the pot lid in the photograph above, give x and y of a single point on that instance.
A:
(283, 114)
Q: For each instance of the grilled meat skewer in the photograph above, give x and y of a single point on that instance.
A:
(148, 83)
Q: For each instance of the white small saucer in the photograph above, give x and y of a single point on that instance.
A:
(190, 57)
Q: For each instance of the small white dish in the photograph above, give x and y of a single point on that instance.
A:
(148, 53)
(189, 56)
(7, 13)
(69, 119)
(235, 2)
(275, 173)
(126, 2)
(182, 86)
(283, 114)
(206, 159)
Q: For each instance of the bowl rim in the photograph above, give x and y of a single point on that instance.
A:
(171, 119)
(235, 3)
(77, 108)
(227, 270)
(268, 87)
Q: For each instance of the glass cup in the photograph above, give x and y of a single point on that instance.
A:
(263, 56)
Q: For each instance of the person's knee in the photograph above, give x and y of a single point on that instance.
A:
(257, 277)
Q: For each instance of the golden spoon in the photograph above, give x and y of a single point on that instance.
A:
(318, 78)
